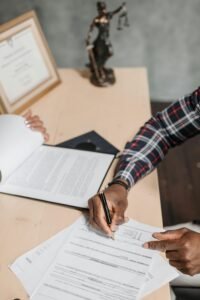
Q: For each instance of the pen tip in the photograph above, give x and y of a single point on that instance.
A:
(111, 236)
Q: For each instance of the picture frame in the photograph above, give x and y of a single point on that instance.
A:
(27, 67)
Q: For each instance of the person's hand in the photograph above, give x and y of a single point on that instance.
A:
(116, 197)
(35, 123)
(182, 247)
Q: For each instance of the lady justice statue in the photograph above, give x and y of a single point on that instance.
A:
(101, 48)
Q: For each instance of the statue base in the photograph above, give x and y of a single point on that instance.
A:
(107, 80)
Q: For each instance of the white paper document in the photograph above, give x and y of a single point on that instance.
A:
(60, 175)
(79, 263)
(31, 266)
(33, 170)
(17, 143)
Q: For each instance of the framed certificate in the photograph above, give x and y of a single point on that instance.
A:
(27, 68)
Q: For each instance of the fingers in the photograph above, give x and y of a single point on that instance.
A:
(36, 124)
(173, 255)
(168, 240)
(117, 203)
(33, 120)
(183, 266)
(162, 245)
(91, 219)
(170, 234)
(97, 216)
(177, 264)
(46, 136)
(41, 129)
(178, 260)
(118, 219)
(119, 213)
(27, 114)
(115, 224)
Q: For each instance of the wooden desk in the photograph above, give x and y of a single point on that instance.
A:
(73, 108)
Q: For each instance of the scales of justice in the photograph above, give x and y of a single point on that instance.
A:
(101, 49)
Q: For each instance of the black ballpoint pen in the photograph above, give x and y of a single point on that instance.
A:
(105, 208)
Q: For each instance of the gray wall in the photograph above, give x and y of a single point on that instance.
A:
(164, 37)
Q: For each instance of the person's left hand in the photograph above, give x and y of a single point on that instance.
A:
(35, 123)
(182, 247)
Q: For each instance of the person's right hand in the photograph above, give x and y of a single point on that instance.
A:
(116, 197)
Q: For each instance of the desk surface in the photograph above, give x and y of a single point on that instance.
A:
(73, 108)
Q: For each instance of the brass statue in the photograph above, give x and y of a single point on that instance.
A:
(101, 48)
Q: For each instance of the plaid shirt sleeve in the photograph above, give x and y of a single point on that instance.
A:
(169, 128)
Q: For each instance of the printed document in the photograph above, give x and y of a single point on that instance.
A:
(82, 264)
(48, 173)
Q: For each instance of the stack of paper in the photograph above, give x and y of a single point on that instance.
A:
(80, 263)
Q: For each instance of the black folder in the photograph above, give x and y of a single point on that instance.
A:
(90, 141)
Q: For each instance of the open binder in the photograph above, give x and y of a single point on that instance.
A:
(54, 174)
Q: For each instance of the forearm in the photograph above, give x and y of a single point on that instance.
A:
(143, 153)
(168, 129)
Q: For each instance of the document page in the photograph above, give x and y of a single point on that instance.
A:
(17, 143)
(31, 267)
(91, 266)
(60, 175)
(160, 273)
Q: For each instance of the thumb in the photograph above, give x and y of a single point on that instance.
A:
(170, 234)
(118, 219)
